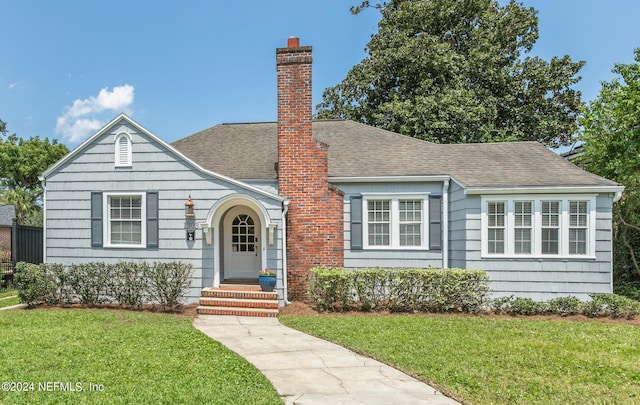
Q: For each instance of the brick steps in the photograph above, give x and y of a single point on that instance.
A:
(258, 312)
(238, 300)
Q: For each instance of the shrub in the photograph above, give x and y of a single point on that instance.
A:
(127, 284)
(434, 290)
(564, 306)
(330, 289)
(613, 305)
(169, 282)
(89, 282)
(34, 283)
(526, 306)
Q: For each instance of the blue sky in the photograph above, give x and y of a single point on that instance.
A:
(177, 67)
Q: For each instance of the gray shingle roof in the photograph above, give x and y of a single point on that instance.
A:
(249, 152)
(7, 213)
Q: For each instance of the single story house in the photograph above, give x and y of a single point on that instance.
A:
(298, 193)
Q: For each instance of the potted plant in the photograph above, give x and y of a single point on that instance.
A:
(267, 280)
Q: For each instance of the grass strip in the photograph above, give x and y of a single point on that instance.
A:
(7, 293)
(9, 301)
(120, 357)
(496, 360)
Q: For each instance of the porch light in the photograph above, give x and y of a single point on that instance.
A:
(189, 219)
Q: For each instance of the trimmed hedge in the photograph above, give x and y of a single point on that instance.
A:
(398, 290)
(124, 283)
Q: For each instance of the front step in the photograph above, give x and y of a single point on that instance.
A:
(238, 300)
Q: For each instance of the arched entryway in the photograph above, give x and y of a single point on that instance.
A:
(242, 244)
(238, 229)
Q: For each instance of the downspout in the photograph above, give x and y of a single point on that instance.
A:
(445, 224)
(285, 290)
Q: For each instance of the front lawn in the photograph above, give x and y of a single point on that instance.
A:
(105, 356)
(7, 293)
(497, 360)
(9, 301)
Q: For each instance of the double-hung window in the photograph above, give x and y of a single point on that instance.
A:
(395, 222)
(379, 222)
(522, 227)
(550, 227)
(578, 227)
(525, 226)
(496, 226)
(125, 220)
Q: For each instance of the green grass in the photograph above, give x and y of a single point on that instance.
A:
(9, 301)
(497, 361)
(130, 357)
(7, 293)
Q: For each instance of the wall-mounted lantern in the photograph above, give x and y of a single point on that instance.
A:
(190, 219)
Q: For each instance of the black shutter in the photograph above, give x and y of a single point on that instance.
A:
(152, 219)
(96, 219)
(435, 222)
(356, 223)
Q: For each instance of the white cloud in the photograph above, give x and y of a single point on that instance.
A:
(83, 117)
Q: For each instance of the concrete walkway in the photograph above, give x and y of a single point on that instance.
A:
(308, 370)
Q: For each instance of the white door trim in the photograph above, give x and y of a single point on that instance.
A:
(215, 215)
(243, 257)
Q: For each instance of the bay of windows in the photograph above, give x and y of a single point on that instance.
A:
(521, 226)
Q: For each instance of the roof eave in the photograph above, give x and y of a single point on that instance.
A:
(388, 179)
(578, 189)
(105, 128)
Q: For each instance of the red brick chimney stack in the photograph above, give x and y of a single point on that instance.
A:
(315, 217)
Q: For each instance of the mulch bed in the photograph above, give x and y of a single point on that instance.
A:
(305, 309)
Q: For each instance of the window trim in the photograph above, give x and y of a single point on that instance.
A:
(394, 228)
(117, 151)
(107, 219)
(536, 248)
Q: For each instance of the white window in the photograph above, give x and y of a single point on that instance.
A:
(395, 222)
(550, 227)
(578, 227)
(496, 226)
(379, 222)
(123, 154)
(126, 220)
(523, 226)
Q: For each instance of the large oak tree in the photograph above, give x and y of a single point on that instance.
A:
(611, 132)
(456, 71)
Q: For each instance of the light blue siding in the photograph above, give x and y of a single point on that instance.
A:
(540, 279)
(386, 257)
(457, 226)
(155, 168)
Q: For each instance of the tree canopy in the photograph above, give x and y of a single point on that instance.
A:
(22, 161)
(454, 71)
(611, 132)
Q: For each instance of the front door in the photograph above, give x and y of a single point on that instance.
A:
(241, 244)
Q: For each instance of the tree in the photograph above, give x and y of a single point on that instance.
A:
(21, 163)
(452, 71)
(611, 135)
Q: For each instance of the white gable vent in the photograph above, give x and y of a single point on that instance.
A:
(123, 150)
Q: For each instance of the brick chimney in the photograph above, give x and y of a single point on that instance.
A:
(315, 228)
